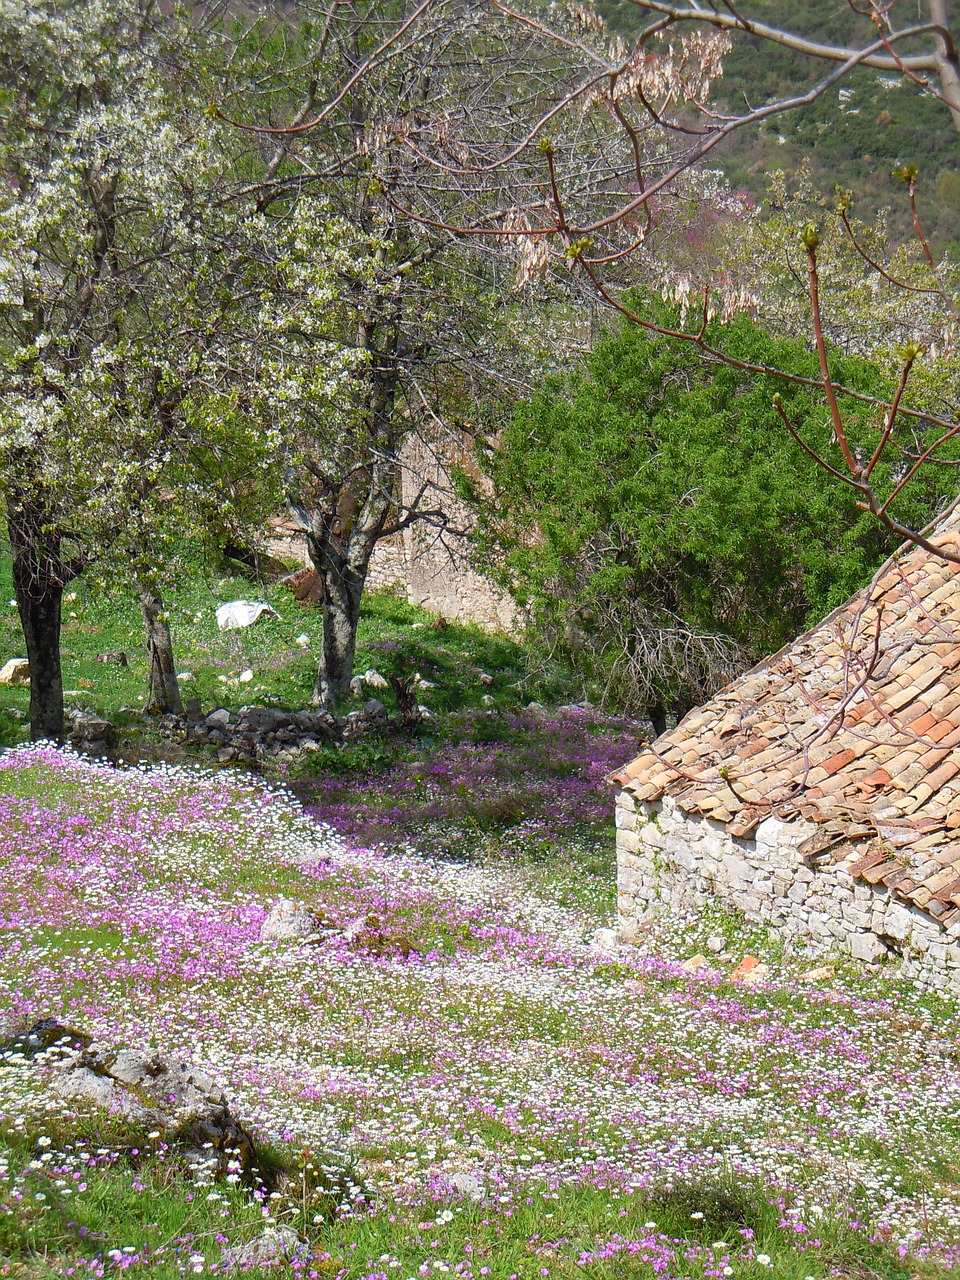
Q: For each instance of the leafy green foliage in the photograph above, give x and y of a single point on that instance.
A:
(661, 490)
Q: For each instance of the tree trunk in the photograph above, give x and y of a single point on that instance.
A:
(39, 578)
(656, 713)
(948, 62)
(341, 542)
(342, 591)
(345, 521)
(163, 689)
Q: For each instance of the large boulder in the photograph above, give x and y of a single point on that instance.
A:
(91, 733)
(287, 921)
(164, 1093)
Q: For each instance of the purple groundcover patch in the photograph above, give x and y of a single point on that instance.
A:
(513, 1098)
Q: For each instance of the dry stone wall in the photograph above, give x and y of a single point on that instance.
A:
(429, 567)
(440, 576)
(667, 858)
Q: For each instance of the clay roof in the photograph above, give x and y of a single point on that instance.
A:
(855, 726)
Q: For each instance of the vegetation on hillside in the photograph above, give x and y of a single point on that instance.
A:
(656, 515)
(853, 138)
(481, 1089)
(464, 664)
(484, 1091)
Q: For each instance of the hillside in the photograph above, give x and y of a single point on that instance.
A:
(852, 138)
(453, 1074)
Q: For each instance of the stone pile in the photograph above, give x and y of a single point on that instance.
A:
(253, 733)
(256, 733)
(90, 733)
(248, 736)
(146, 1087)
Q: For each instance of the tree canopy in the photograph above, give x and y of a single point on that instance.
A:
(160, 337)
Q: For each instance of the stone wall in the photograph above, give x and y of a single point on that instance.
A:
(389, 565)
(430, 568)
(440, 576)
(680, 861)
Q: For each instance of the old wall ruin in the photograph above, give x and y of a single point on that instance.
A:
(428, 565)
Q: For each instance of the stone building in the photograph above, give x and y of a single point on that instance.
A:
(820, 792)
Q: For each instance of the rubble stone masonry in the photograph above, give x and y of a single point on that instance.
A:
(667, 858)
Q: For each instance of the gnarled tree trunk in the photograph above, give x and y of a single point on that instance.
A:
(342, 591)
(348, 516)
(163, 690)
(340, 546)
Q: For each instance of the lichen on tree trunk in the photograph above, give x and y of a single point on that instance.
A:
(163, 687)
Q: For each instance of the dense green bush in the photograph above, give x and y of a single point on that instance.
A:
(652, 510)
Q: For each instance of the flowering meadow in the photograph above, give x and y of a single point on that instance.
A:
(522, 790)
(453, 1077)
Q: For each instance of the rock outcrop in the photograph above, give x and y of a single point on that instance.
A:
(273, 1248)
(166, 1094)
(15, 671)
(287, 921)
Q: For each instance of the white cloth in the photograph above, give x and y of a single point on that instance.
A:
(241, 613)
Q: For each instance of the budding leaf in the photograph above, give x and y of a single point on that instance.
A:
(809, 236)
(576, 247)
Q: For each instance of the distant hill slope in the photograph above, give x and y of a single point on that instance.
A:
(853, 137)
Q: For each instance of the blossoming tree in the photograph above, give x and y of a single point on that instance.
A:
(156, 325)
(355, 100)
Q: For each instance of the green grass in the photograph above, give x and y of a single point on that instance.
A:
(136, 1196)
(395, 638)
(431, 1064)
(397, 1031)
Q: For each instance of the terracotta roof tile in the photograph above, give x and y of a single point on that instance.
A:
(878, 778)
(877, 873)
(922, 722)
(835, 763)
(887, 769)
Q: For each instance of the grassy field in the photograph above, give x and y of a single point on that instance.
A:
(484, 1091)
(394, 637)
(471, 1085)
